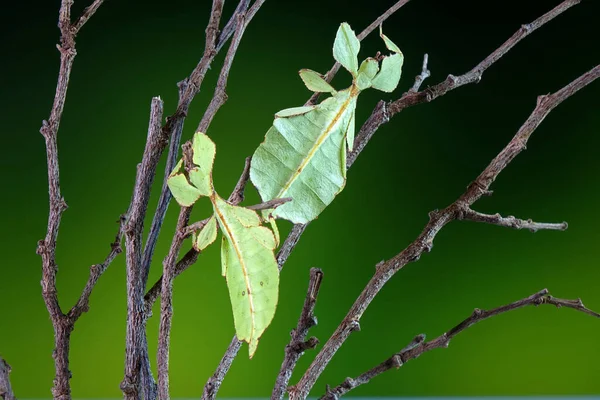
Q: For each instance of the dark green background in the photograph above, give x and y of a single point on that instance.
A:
(131, 51)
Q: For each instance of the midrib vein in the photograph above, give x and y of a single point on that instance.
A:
(317, 144)
(242, 263)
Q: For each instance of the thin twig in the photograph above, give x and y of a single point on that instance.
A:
(154, 292)
(135, 336)
(57, 205)
(298, 343)
(267, 205)
(418, 346)
(437, 220)
(237, 195)
(96, 272)
(511, 222)
(6, 392)
(173, 128)
(86, 15)
(384, 111)
(166, 306)
(220, 95)
(419, 79)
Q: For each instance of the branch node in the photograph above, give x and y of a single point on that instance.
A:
(354, 326)
(477, 312)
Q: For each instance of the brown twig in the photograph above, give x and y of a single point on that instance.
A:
(419, 346)
(57, 205)
(86, 15)
(384, 111)
(173, 128)
(511, 222)
(437, 220)
(6, 392)
(97, 270)
(298, 344)
(419, 79)
(271, 204)
(220, 96)
(166, 306)
(135, 336)
(237, 195)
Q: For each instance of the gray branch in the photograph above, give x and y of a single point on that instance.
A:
(511, 222)
(298, 343)
(6, 392)
(418, 346)
(437, 220)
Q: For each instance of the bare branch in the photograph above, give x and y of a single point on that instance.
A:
(135, 337)
(237, 196)
(96, 272)
(437, 220)
(166, 306)
(384, 111)
(57, 205)
(511, 222)
(418, 346)
(419, 79)
(6, 392)
(220, 96)
(173, 128)
(152, 295)
(271, 204)
(86, 15)
(298, 344)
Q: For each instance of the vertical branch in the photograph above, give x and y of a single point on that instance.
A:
(298, 344)
(188, 88)
(6, 392)
(47, 247)
(135, 336)
(166, 306)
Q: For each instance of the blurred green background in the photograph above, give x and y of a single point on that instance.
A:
(423, 159)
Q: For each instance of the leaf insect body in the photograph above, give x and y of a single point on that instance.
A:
(303, 157)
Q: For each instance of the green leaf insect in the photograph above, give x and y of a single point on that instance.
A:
(247, 248)
(303, 155)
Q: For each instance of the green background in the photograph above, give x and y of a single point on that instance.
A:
(422, 160)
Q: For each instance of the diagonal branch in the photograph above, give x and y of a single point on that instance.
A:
(6, 392)
(384, 111)
(437, 220)
(86, 15)
(379, 116)
(298, 344)
(96, 272)
(419, 346)
(511, 222)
